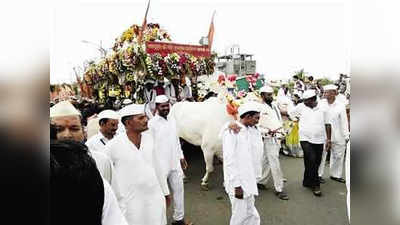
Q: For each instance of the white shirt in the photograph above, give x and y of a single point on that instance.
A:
(104, 165)
(184, 93)
(311, 123)
(106, 169)
(242, 159)
(270, 118)
(281, 92)
(341, 98)
(92, 127)
(284, 103)
(112, 214)
(149, 96)
(97, 142)
(150, 99)
(166, 143)
(338, 119)
(140, 179)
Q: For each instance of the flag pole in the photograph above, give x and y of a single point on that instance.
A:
(144, 24)
(210, 35)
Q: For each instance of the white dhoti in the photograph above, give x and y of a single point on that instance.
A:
(336, 161)
(175, 181)
(243, 211)
(270, 163)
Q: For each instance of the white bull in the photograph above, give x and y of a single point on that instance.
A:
(199, 123)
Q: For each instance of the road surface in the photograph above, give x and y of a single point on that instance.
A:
(303, 208)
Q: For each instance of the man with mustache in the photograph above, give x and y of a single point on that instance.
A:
(140, 178)
(271, 127)
(169, 153)
(108, 121)
(67, 126)
(314, 132)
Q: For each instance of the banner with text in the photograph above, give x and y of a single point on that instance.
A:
(167, 48)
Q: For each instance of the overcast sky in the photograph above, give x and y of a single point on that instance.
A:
(285, 36)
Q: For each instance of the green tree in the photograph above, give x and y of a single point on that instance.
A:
(301, 74)
(325, 81)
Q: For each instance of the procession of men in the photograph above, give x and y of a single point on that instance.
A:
(141, 163)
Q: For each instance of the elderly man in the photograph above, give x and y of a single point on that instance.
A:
(271, 127)
(67, 121)
(108, 122)
(137, 169)
(242, 165)
(169, 153)
(314, 131)
(340, 134)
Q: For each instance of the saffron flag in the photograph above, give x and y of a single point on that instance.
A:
(211, 32)
(144, 24)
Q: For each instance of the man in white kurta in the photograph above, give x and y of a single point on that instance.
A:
(271, 127)
(67, 119)
(68, 122)
(242, 165)
(138, 173)
(169, 153)
(108, 125)
(340, 134)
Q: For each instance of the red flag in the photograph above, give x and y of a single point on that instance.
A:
(144, 24)
(211, 32)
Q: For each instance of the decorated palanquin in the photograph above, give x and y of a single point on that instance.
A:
(135, 58)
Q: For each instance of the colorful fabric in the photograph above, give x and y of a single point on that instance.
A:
(293, 138)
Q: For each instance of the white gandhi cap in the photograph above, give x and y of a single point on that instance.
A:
(131, 110)
(162, 99)
(309, 94)
(64, 108)
(329, 87)
(248, 107)
(149, 81)
(266, 89)
(108, 114)
(127, 101)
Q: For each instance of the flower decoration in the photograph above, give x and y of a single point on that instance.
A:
(232, 77)
(129, 61)
(221, 79)
(241, 94)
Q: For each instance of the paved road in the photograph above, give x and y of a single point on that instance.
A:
(303, 208)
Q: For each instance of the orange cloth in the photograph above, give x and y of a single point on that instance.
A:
(232, 110)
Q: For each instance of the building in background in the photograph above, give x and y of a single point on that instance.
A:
(235, 62)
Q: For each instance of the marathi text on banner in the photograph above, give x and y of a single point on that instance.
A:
(167, 48)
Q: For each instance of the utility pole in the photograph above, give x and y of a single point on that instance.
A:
(99, 47)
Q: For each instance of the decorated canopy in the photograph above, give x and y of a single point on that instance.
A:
(135, 58)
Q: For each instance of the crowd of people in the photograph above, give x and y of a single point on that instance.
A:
(130, 168)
